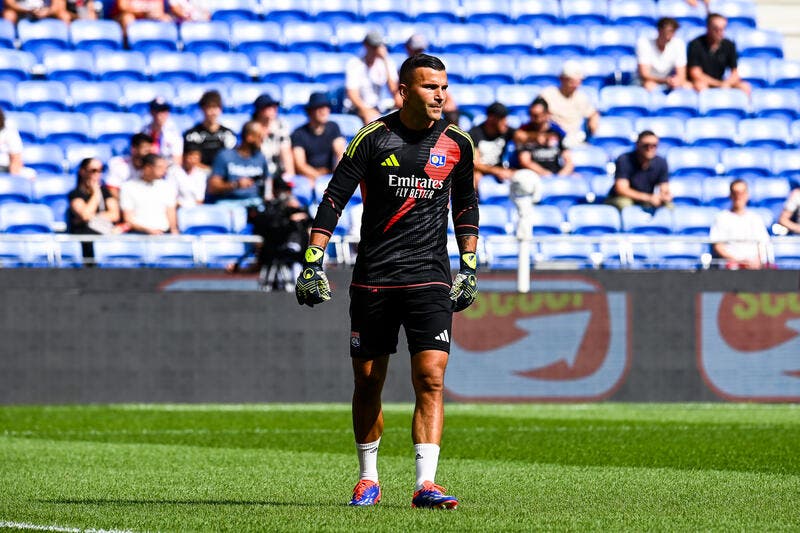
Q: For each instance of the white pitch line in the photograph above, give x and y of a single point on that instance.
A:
(60, 529)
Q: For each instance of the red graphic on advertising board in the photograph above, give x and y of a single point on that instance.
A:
(754, 322)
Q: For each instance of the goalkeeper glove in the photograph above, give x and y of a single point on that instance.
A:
(312, 285)
(465, 286)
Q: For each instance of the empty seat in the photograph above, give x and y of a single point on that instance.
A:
(744, 162)
(26, 123)
(308, 36)
(539, 70)
(40, 96)
(218, 254)
(567, 40)
(174, 67)
(759, 43)
(684, 13)
(632, 13)
(295, 96)
(204, 220)
(494, 220)
(593, 219)
(458, 38)
(472, 98)
(786, 252)
(138, 95)
(717, 191)
(386, 11)
(328, 67)
(225, 67)
(693, 220)
(547, 220)
(77, 152)
(600, 186)
(232, 11)
(680, 103)
(564, 191)
(612, 40)
(63, 128)
(348, 124)
(569, 251)
(120, 253)
(634, 219)
(776, 103)
(585, 12)
(95, 96)
(770, 192)
(149, 36)
(784, 73)
(335, 12)
(513, 39)
(492, 191)
(286, 11)
(44, 157)
(169, 253)
(434, 11)
(598, 71)
(253, 37)
(670, 130)
(614, 132)
(282, 67)
(16, 65)
(517, 97)
(677, 255)
(350, 35)
(15, 189)
(624, 101)
(115, 129)
(7, 34)
(242, 95)
(490, 69)
(68, 65)
(715, 102)
(487, 11)
(456, 65)
(714, 132)
(765, 133)
(536, 12)
(41, 36)
(754, 70)
(692, 160)
(25, 218)
(95, 35)
(590, 160)
(198, 37)
(121, 66)
(786, 163)
(686, 190)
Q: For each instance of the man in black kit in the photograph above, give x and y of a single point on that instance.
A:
(209, 136)
(410, 165)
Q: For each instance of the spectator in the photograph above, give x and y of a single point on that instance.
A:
(127, 11)
(739, 235)
(148, 203)
(317, 145)
(693, 3)
(790, 216)
(209, 136)
(571, 107)
(16, 10)
(662, 61)
(492, 139)
(128, 167)
(189, 179)
(167, 138)
(368, 78)
(417, 44)
(82, 9)
(710, 54)
(541, 146)
(10, 147)
(637, 175)
(241, 174)
(276, 144)
(539, 119)
(189, 10)
(92, 210)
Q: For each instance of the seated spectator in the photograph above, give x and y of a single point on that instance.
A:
(637, 175)
(318, 144)
(418, 44)
(189, 179)
(710, 54)
(540, 146)
(662, 61)
(167, 138)
(790, 216)
(10, 148)
(571, 107)
(123, 168)
(209, 136)
(83, 9)
(127, 11)
(540, 119)
(189, 10)
(16, 10)
(492, 139)
(742, 225)
(277, 143)
(241, 174)
(148, 203)
(92, 210)
(369, 78)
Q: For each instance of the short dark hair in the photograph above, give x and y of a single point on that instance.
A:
(540, 101)
(418, 61)
(2, 119)
(151, 159)
(712, 16)
(138, 139)
(247, 128)
(666, 22)
(734, 182)
(645, 133)
(210, 98)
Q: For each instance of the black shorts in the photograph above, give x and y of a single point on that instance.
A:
(425, 313)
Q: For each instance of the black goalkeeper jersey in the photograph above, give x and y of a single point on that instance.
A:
(408, 179)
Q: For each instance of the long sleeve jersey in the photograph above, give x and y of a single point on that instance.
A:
(408, 180)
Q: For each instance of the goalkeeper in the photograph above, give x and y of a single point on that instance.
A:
(411, 166)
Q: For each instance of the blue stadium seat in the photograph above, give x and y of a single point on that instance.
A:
(199, 37)
(218, 254)
(493, 191)
(386, 12)
(40, 96)
(681, 11)
(693, 220)
(786, 163)
(308, 37)
(350, 35)
(677, 255)
(740, 13)
(723, 103)
(187, 96)
(26, 123)
(242, 95)
(328, 67)
(717, 191)
(539, 70)
(536, 12)
(624, 101)
(787, 253)
(472, 98)
(692, 161)
(600, 185)
(25, 218)
(670, 130)
(765, 133)
(770, 192)
(633, 13)
(232, 11)
(568, 251)
(282, 67)
(398, 33)
(63, 128)
(16, 65)
(95, 35)
(44, 157)
(169, 254)
(204, 220)
(138, 95)
(686, 190)
(120, 253)
(500, 254)
(491, 69)
(348, 124)
(776, 103)
(15, 189)
(286, 11)
(235, 121)
(8, 34)
(784, 74)
(174, 67)
(564, 191)
(494, 220)
(95, 96)
(517, 97)
(224, 67)
(713, 132)
(8, 98)
(487, 11)
(121, 66)
(77, 152)
(566, 41)
(745, 162)
(612, 40)
(52, 190)
(547, 220)
(513, 39)
(68, 65)
(335, 12)
(303, 190)
(149, 36)
(590, 160)
(458, 38)
(593, 219)
(754, 70)
(295, 96)
(584, 12)
(69, 254)
(41, 36)
(115, 129)
(457, 70)
(434, 11)
(13, 254)
(614, 132)
(598, 71)
(680, 103)
(634, 219)
(252, 37)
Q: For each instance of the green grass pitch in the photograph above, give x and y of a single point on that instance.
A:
(583, 467)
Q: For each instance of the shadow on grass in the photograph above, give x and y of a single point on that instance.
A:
(156, 501)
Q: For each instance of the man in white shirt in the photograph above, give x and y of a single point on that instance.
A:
(367, 77)
(570, 107)
(739, 236)
(10, 147)
(122, 168)
(148, 204)
(662, 61)
(189, 179)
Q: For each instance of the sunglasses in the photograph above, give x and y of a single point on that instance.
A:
(649, 145)
(94, 170)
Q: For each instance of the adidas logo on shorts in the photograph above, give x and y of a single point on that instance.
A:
(443, 336)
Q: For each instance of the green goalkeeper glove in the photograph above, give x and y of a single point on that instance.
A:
(465, 286)
(312, 285)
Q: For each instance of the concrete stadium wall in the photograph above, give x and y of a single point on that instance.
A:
(91, 335)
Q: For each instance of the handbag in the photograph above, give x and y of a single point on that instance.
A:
(100, 224)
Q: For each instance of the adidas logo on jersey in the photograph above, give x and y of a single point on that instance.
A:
(443, 336)
(391, 161)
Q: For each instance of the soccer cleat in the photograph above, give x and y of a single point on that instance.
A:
(432, 496)
(366, 493)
